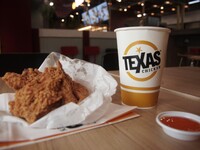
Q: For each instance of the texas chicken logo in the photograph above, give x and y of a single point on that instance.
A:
(141, 57)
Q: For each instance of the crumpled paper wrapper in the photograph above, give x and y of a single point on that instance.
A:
(98, 81)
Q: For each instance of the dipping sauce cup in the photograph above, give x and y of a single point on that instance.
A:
(141, 55)
(180, 125)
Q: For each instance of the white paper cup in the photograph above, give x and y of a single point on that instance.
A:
(141, 55)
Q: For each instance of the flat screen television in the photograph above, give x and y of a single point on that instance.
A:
(103, 11)
(86, 18)
(93, 15)
(96, 14)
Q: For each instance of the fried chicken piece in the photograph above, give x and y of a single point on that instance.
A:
(46, 92)
(35, 100)
(80, 91)
(17, 81)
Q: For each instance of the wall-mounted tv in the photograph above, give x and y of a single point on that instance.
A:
(96, 14)
(86, 18)
(103, 11)
(93, 15)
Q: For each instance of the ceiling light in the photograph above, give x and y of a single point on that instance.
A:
(161, 7)
(155, 6)
(186, 6)
(152, 14)
(78, 2)
(71, 16)
(82, 5)
(51, 4)
(62, 20)
(142, 4)
(73, 5)
(173, 9)
(119, 1)
(85, 28)
(77, 13)
(139, 15)
(193, 2)
(167, 2)
(162, 12)
(120, 9)
(125, 9)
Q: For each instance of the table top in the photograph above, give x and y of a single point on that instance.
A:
(179, 92)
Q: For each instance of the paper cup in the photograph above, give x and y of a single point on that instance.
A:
(141, 55)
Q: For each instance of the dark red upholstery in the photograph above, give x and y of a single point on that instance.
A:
(91, 52)
(194, 51)
(70, 51)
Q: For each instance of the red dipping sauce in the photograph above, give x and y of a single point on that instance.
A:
(181, 123)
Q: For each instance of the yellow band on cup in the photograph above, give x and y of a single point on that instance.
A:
(144, 100)
(140, 88)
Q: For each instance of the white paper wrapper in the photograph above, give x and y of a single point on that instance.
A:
(100, 84)
(16, 132)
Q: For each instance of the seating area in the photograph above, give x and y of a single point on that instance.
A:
(91, 53)
(70, 51)
(191, 58)
(110, 59)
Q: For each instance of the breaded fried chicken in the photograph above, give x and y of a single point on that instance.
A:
(44, 93)
(79, 91)
(17, 81)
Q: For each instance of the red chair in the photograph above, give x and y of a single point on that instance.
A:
(70, 51)
(91, 53)
(194, 50)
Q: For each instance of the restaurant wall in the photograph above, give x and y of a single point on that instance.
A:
(53, 39)
(103, 40)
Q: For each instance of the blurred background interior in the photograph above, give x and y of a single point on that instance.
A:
(86, 28)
